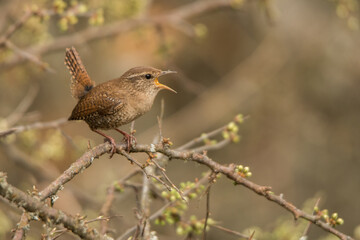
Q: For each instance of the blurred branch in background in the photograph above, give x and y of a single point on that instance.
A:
(175, 18)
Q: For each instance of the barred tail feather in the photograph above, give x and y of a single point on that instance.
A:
(81, 83)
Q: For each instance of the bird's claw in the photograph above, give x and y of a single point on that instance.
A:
(129, 139)
(113, 146)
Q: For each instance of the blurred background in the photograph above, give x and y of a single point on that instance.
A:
(291, 66)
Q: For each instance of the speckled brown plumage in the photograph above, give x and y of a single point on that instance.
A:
(115, 102)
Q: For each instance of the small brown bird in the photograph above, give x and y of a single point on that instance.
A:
(115, 102)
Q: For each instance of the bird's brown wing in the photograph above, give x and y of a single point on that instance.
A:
(81, 83)
(99, 104)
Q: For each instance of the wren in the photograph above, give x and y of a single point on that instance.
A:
(114, 103)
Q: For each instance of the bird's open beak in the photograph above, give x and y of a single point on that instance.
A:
(159, 85)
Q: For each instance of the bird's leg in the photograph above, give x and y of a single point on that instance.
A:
(111, 140)
(128, 138)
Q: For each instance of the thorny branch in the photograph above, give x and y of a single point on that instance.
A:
(229, 171)
(44, 212)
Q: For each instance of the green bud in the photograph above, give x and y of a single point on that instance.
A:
(239, 118)
(82, 8)
(164, 194)
(180, 230)
(316, 209)
(183, 206)
(200, 30)
(199, 225)
(235, 129)
(325, 211)
(248, 174)
(211, 221)
(170, 220)
(172, 198)
(246, 169)
(334, 216)
(72, 19)
(225, 134)
(340, 221)
(192, 195)
(59, 6)
(235, 138)
(118, 187)
(325, 217)
(203, 136)
(231, 126)
(240, 167)
(63, 24)
(188, 228)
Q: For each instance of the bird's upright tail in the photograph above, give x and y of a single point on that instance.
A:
(81, 83)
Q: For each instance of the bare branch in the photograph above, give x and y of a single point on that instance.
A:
(38, 125)
(23, 106)
(29, 56)
(17, 25)
(105, 209)
(44, 212)
(77, 167)
(21, 227)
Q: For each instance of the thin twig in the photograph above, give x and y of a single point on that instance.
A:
(23, 106)
(17, 25)
(207, 211)
(201, 138)
(132, 160)
(162, 170)
(205, 136)
(105, 209)
(29, 56)
(160, 211)
(210, 147)
(38, 125)
(238, 234)
(306, 230)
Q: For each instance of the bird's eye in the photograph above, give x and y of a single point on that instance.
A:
(148, 76)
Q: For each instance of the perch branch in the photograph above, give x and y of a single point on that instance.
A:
(229, 171)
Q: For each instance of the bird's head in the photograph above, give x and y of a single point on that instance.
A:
(146, 79)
